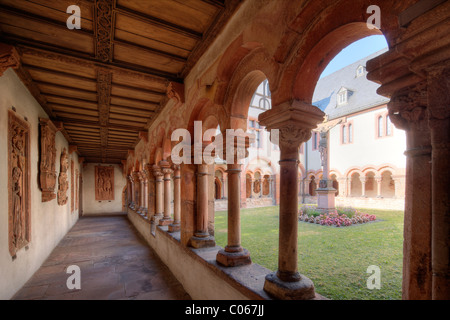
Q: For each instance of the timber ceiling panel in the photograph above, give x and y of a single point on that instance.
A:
(107, 81)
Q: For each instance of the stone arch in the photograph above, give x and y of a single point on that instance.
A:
(322, 32)
(355, 187)
(387, 184)
(236, 94)
(217, 188)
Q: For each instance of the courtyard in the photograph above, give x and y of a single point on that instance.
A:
(335, 259)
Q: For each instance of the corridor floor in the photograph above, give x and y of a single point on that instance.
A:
(115, 263)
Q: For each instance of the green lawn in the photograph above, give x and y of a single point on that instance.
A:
(335, 259)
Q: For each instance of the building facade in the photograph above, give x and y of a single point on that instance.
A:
(365, 151)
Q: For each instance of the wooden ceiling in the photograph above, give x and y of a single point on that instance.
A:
(107, 81)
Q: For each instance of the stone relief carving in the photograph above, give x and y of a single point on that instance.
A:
(63, 183)
(104, 183)
(19, 229)
(47, 174)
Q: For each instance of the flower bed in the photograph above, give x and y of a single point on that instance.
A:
(341, 217)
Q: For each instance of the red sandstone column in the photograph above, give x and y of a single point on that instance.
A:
(202, 238)
(439, 123)
(167, 171)
(150, 191)
(159, 202)
(234, 254)
(378, 179)
(409, 114)
(294, 122)
(175, 225)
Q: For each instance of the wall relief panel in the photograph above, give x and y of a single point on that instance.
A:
(19, 228)
(47, 170)
(104, 183)
(63, 182)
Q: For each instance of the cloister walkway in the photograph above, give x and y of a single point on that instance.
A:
(115, 263)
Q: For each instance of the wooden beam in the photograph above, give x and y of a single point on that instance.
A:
(158, 22)
(104, 26)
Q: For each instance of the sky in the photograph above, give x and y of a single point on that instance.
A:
(354, 52)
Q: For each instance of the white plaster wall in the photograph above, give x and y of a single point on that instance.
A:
(49, 221)
(94, 207)
(366, 149)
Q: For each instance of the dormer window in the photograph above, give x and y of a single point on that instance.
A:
(359, 71)
(342, 97)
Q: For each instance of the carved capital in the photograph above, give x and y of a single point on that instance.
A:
(292, 136)
(157, 172)
(9, 58)
(407, 107)
(294, 120)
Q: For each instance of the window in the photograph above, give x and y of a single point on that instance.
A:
(261, 99)
(342, 97)
(388, 126)
(380, 126)
(315, 140)
(344, 134)
(350, 133)
(347, 132)
(359, 71)
(383, 125)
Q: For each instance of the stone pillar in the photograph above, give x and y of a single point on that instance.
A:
(131, 196)
(438, 84)
(407, 111)
(150, 191)
(363, 186)
(414, 74)
(378, 179)
(141, 209)
(175, 225)
(202, 238)
(234, 254)
(159, 201)
(294, 120)
(136, 184)
(167, 172)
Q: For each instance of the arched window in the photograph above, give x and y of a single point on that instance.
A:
(344, 134)
(380, 126)
(388, 126)
(350, 133)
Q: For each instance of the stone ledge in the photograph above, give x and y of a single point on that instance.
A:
(248, 280)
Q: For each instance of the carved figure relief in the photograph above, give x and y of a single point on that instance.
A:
(47, 171)
(19, 228)
(104, 183)
(63, 182)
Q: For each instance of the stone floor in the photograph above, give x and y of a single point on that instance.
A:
(115, 263)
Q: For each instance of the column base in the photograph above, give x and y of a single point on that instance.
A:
(165, 221)
(202, 242)
(174, 227)
(326, 199)
(233, 259)
(283, 290)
